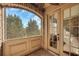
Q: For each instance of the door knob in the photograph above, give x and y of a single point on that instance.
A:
(58, 36)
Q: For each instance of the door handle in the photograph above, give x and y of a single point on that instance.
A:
(58, 37)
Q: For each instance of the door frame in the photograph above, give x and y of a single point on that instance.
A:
(49, 12)
(57, 51)
(62, 20)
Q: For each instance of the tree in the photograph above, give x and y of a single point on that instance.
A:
(14, 26)
(32, 28)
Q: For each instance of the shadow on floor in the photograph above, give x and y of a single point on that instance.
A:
(40, 52)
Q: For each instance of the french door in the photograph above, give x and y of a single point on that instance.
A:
(54, 31)
(71, 30)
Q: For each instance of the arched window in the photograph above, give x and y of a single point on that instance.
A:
(22, 23)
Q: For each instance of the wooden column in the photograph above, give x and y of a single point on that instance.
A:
(0, 28)
(45, 31)
(61, 38)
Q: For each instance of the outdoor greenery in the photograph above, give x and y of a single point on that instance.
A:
(15, 27)
(32, 28)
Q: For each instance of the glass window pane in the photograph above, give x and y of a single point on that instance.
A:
(66, 13)
(53, 31)
(74, 36)
(75, 10)
(22, 23)
(74, 21)
(66, 42)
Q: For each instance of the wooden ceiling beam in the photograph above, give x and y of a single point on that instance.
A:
(54, 3)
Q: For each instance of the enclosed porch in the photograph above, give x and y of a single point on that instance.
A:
(39, 29)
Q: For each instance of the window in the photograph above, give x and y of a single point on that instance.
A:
(53, 30)
(22, 23)
(71, 31)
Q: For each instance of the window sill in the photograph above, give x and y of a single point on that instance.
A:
(20, 38)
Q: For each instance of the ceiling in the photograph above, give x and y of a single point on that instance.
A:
(42, 6)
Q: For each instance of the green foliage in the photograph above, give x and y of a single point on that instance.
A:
(15, 27)
(32, 28)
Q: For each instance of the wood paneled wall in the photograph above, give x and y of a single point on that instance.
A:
(21, 46)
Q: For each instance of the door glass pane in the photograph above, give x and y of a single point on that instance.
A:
(74, 21)
(75, 10)
(74, 35)
(66, 37)
(71, 31)
(53, 31)
(66, 42)
(74, 41)
(66, 13)
(71, 35)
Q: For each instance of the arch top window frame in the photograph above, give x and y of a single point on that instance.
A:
(5, 28)
(26, 6)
